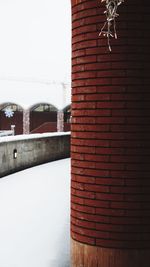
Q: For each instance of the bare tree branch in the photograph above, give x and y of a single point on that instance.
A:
(109, 27)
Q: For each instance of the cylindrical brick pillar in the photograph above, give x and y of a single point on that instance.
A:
(110, 145)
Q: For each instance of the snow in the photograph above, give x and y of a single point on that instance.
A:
(34, 224)
(31, 136)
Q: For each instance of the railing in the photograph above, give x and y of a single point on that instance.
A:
(6, 133)
(24, 151)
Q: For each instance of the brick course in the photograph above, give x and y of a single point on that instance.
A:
(110, 142)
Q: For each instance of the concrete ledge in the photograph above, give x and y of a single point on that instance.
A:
(24, 151)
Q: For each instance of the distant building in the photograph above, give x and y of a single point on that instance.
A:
(35, 106)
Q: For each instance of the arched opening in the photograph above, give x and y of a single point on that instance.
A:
(67, 118)
(11, 114)
(43, 118)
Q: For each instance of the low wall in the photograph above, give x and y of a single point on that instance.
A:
(21, 152)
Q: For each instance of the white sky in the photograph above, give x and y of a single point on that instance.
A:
(35, 217)
(35, 39)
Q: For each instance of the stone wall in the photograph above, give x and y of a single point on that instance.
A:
(20, 154)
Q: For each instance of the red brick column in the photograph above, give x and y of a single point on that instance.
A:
(110, 137)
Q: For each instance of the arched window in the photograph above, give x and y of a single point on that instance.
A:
(67, 118)
(11, 114)
(12, 107)
(44, 108)
(43, 118)
(67, 114)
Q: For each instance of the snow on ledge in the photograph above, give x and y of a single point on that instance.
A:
(31, 136)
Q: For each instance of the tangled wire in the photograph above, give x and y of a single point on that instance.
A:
(109, 27)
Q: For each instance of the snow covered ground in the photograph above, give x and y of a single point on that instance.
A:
(34, 217)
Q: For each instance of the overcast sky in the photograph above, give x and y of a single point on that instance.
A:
(35, 39)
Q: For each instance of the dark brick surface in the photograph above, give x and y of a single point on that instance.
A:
(111, 127)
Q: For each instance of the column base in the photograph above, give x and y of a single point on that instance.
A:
(91, 256)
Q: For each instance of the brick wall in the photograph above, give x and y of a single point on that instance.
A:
(66, 127)
(5, 122)
(38, 118)
(110, 143)
(46, 127)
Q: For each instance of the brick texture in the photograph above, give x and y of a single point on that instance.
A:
(110, 144)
